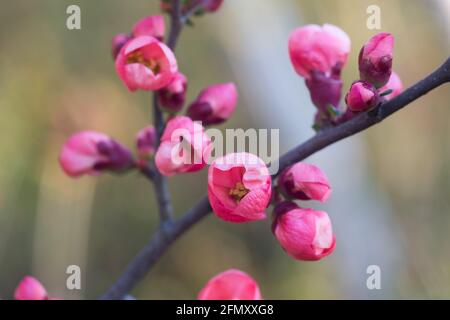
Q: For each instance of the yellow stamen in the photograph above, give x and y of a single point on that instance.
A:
(137, 57)
(239, 191)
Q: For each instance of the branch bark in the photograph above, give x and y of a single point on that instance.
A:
(163, 238)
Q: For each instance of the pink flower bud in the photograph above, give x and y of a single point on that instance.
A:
(325, 91)
(231, 285)
(146, 63)
(90, 152)
(239, 187)
(305, 234)
(30, 289)
(146, 142)
(118, 42)
(315, 48)
(184, 147)
(152, 26)
(362, 96)
(395, 84)
(375, 59)
(173, 96)
(215, 104)
(305, 182)
(212, 5)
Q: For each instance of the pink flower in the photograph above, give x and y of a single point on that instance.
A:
(315, 48)
(146, 142)
(231, 285)
(90, 152)
(173, 96)
(239, 187)
(305, 182)
(118, 42)
(146, 63)
(152, 26)
(305, 234)
(184, 147)
(362, 96)
(375, 59)
(215, 104)
(30, 289)
(395, 84)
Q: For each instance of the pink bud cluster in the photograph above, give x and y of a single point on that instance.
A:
(319, 54)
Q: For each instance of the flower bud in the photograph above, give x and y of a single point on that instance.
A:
(394, 84)
(325, 91)
(215, 104)
(239, 187)
(30, 289)
(304, 182)
(375, 59)
(314, 48)
(90, 152)
(146, 63)
(305, 234)
(118, 42)
(146, 142)
(362, 96)
(152, 26)
(212, 5)
(231, 285)
(172, 97)
(185, 147)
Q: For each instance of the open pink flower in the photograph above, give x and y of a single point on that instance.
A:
(152, 26)
(375, 59)
(172, 97)
(185, 147)
(315, 48)
(239, 187)
(395, 84)
(362, 96)
(30, 289)
(231, 285)
(305, 234)
(305, 182)
(215, 104)
(90, 152)
(146, 63)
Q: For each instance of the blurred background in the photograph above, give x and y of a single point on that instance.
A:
(390, 206)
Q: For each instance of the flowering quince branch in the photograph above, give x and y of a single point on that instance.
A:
(240, 188)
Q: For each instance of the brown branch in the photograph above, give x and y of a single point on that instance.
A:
(163, 238)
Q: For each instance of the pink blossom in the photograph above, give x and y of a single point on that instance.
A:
(215, 104)
(146, 63)
(90, 152)
(118, 42)
(362, 96)
(173, 96)
(30, 289)
(375, 59)
(184, 147)
(239, 187)
(395, 84)
(231, 285)
(305, 234)
(315, 48)
(146, 142)
(152, 26)
(305, 182)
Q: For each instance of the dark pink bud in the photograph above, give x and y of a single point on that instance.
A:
(173, 96)
(30, 289)
(90, 152)
(305, 182)
(118, 42)
(146, 142)
(325, 91)
(362, 96)
(215, 104)
(212, 5)
(375, 59)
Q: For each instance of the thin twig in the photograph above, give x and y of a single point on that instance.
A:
(163, 238)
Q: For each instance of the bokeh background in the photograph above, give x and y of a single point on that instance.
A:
(390, 207)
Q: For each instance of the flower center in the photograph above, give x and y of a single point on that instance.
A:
(137, 57)
(239, 191)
